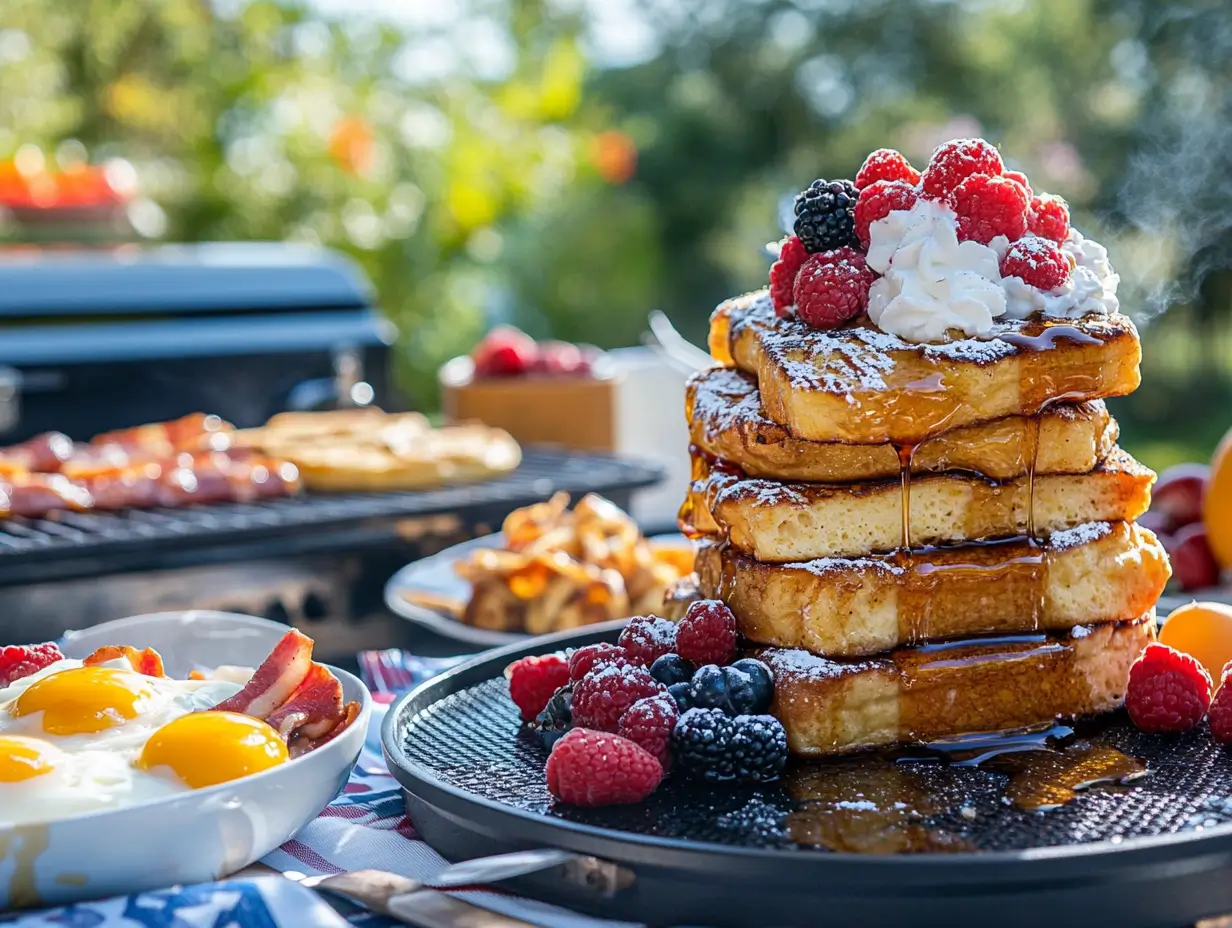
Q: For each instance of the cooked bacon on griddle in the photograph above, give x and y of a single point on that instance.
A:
(147, 662)
(276, 679)
(36, 495)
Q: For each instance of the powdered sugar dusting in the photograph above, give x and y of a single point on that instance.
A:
(824, 566)
(1079, 535)
(796, 663)
(1081, 631)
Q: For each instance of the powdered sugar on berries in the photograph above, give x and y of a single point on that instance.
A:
(1090, 290)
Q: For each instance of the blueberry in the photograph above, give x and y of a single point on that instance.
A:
(763, 683)
(556, 717)
(671, 668)
(728, 688)
(708, 689)
(681, 693)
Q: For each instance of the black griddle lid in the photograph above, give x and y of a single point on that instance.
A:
(197, 279)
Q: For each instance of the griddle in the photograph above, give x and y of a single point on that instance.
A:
(1156, 853)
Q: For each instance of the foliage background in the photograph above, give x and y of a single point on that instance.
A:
(568, 165)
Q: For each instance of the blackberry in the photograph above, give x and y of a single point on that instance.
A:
(556, 718)
(758, 748)
(671, 668)
(682, 693)
(702, 743)
(763, 683)
(825, 215)
(727, 688)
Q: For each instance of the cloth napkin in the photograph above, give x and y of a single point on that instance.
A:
(365, 827)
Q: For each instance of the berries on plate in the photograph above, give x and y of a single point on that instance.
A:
(556, 718)
(649, 723)
(21, 660)
(1036, 261)
(759, 748)
(602, 697)
(750, 748)
(886, 164)
(1220, 715)
(707, 633)
(1169, 692)
(832, 288)
(683, 694)
(1048, 217)
(505, 352)
(762, 679)
(878, 200)
(732, 690)
(583, 660)
(988, 207)
(533, 680)
(671, 668)
(955, 161)
(1019, 178)
(783, 274)
(825, 215)
(646, 638)
(595, 768)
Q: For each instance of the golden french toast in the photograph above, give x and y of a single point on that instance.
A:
(726, 421)
(782, 522)
(944, 690)
(853, 607)
(864, 386)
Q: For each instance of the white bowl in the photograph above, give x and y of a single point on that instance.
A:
(196, 836)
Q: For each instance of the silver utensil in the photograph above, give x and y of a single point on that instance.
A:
(675, 346)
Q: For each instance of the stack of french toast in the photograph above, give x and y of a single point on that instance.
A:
(924, 539)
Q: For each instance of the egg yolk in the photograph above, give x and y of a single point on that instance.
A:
(206, 748)
(84, 700)
(23, 758)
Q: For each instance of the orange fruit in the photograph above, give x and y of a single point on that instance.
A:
(1217, 503)
(1203, 631)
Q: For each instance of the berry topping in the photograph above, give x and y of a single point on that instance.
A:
(600, 699)
(733, 691)
(1168, 691)
(702, 741)
(783, 274)
(594, 768)
(683, 694)
(955, 161)
(825, 215)
(649, 723)
(533, 680)
(830, 292)
(1220, 716)
(21, 660)
(505, 352)
(1021, 179)
(646, 638)
(671, 668)
(878, 200)
(556, 717)
(988, 207)
(759, 748)
(583, 660)
(886, 164)
(762, 680)
(1036, 261)
(1048, 217)
(707, 633)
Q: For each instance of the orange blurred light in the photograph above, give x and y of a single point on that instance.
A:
(614, 156)
(351, 145)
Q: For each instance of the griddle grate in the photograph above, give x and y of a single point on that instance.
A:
(472, 740)
(78, 544)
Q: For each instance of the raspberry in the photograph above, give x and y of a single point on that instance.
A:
(583, 659)
(505, 352)
(783, 274)
(594, 768)
(1220, 716)
(707, 633)
(1168, 691)
(829, 292)
(878, 200)
(533, 680)
(1036, 261)
(824, 215)
(1048, 217)
(646, 638)
(649, 723)
(988, 207)
(955, 161)
(599, 700)
(1019, 178)
(21, 660)
(886, 164)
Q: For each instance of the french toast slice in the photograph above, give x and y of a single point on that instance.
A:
(853, 607)
(943, 691)
(782, 522)
(864, 386)
(726, 421)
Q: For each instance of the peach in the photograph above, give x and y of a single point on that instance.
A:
(1179, 493)
(1193, 564)
(1217, 505)
(1204, 631)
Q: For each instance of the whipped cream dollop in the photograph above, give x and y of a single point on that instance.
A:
(932, 283)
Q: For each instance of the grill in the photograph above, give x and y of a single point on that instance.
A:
(943, 845)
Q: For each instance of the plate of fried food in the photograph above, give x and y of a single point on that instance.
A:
(126, 768)
(551, 568)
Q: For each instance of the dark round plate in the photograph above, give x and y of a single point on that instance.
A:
(868, 840)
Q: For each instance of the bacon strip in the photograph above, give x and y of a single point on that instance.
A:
(302, 745)
(280, 675)
(148, 662)
(313, 709)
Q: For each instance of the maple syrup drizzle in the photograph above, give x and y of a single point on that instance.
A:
(905, 455)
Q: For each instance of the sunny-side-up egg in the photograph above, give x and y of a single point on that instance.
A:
(75, 739)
